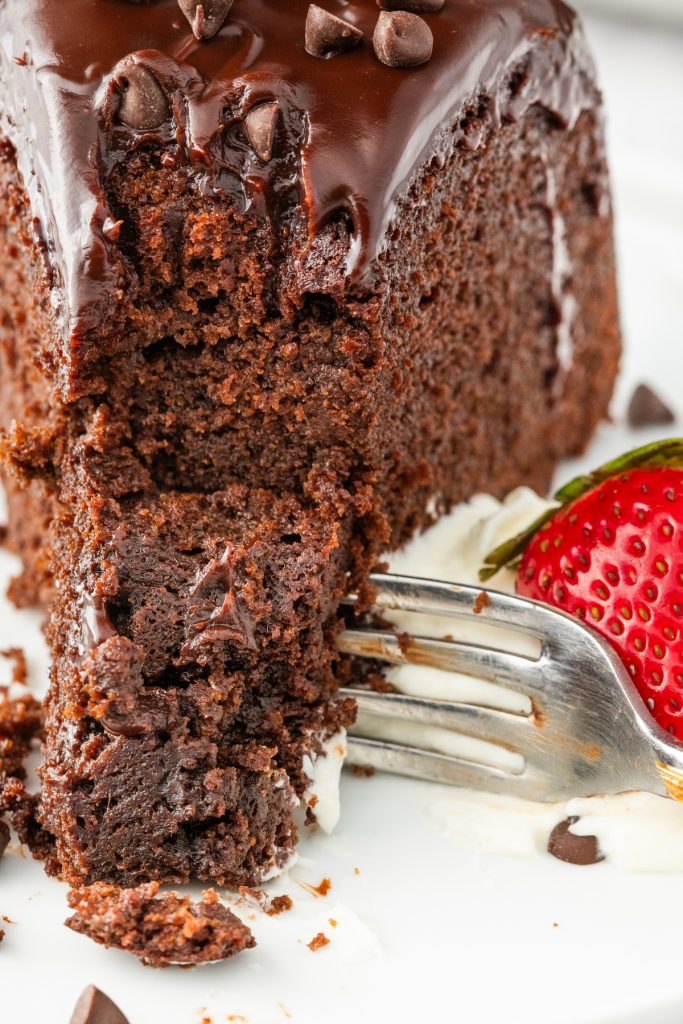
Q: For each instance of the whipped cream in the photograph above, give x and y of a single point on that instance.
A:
(635, 831)
(324, 772)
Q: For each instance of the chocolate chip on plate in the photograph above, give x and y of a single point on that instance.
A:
(94, 1007)
(572, 848)
(419, 6)
(646, 409)
(402, 40)
(259, 125)
(327, 35)
(144, 106)
(205, 16)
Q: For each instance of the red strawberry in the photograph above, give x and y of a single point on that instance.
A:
(613, 556)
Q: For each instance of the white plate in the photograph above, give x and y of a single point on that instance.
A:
(428, 928)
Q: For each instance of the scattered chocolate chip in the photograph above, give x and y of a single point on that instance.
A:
(207, 17)
(94, 1007)
(327, 35)
(571, 848)
(402, 40)
(4, 836)
(646, 409)
(143, 106)
(419, 6)
(259, 125)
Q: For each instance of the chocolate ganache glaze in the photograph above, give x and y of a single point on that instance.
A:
(357, 127)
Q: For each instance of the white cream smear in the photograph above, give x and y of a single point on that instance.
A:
(324, 772)
(635, 831)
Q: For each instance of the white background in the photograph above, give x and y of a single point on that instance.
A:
(430, 929)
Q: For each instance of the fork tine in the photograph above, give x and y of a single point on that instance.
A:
(454, 600)
(513, 670)
(491, 725)
(421, 764)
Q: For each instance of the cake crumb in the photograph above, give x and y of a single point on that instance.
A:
(332, 921)
(321, 889)
(356, 871)
(483, 601)
(279, 904)
(19, 668)
(160, 929)
(363, 771)
(317, 942)
(272, 907)
(21, 722)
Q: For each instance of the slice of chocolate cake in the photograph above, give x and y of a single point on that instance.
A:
(278, 284)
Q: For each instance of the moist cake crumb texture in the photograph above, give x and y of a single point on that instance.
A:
(269, 303)
(161, 929)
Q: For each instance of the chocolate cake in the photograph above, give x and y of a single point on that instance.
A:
(278, 284)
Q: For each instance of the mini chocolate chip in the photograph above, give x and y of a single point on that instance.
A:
(259, 125)
(572, 848)
(646, 409)
(144, 106)
(327, 35)
(205, 17)
(402, 40)
(419, 6)
(94, 1007)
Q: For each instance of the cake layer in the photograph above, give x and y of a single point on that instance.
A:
(192, 639)
(487, 355)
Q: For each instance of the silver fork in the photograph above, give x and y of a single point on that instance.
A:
(587, 730)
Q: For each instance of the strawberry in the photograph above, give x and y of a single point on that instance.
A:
(612, 554)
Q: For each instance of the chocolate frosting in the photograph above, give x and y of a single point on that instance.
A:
(360, 129)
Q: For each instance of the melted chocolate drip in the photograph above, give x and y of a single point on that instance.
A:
(360, 128)
(216, 613)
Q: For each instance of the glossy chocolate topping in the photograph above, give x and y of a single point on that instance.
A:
(359, 128)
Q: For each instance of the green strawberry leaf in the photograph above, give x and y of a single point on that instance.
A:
(660, 453)
(511, 550)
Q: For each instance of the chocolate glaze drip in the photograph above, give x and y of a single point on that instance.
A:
(216, 613)
(359, 128)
